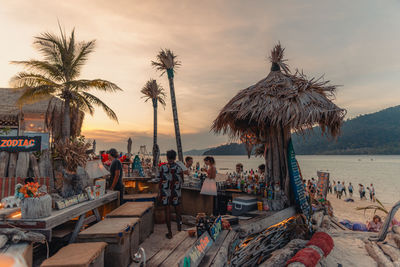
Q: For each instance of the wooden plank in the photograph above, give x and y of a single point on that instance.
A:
(110, 227)
(4, 157)
(131, 209)
(157, 259)
(134, 197)
(46, 168)
(34, 165)
(77, 228)
(22, 164)
(260, 225)
(210, 255)
(12, 165)
(175, 257)
(61, 216)
(221, 258)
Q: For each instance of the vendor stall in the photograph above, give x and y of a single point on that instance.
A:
(58, 217)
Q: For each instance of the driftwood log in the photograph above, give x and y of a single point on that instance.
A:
(281, 256)
(222, 256)
(22, 164)
(16, 235)
(4, 157)
(46, 168)
(396, 239)
(36, 207)
(3, 240)
(392, 252)
(377, 254)
(12, 165)
(34, 165)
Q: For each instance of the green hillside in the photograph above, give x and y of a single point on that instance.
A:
(375, 133)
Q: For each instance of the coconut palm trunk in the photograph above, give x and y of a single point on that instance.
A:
(155, 108)
(66, 124)
(175, 113)
(276, 158)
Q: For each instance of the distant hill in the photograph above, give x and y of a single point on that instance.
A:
(375, 133)
(196, 152)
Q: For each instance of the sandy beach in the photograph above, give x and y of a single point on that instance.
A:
(347, 210)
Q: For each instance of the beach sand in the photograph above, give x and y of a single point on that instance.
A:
(347, 210)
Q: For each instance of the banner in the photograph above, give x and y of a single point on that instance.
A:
(196, 253)
(323, 184)
(296, 181)
(20, 143)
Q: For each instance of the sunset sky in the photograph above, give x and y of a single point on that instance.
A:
(223, 47)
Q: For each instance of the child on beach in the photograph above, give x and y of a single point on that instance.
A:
(375, 225)
(350, 188)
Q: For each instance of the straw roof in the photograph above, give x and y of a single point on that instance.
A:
(281, 101)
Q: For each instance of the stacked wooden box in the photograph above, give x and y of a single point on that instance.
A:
(141, 210)
(121, 235)
(78, 255)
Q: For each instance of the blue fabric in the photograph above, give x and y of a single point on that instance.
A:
(347, 224)
(357, 226)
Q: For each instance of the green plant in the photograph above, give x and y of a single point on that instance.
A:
(73, 152)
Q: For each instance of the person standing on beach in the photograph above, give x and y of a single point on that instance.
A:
(372, 193)
(334, 187)
(350, 188)
(344, 189)
(116, 174)
(339, 190)
(171, 180)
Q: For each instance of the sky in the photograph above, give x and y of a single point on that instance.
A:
(223, 47)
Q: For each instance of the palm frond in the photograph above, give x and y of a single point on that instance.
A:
(166, 60)
(152, 90)
(42, 67)
(99, 84)
(83, 50)
(374, 207)
(24, 80)
(96, 101)
(35, 94)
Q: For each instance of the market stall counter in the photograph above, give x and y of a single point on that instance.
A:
(193, 202)
(58, 217)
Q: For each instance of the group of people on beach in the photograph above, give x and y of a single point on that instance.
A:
(340, 189)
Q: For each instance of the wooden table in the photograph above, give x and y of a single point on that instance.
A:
(193, 202)
(58, 217)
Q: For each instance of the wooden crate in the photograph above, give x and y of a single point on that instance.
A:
(142, 210)
(121, 235)
(78, 255)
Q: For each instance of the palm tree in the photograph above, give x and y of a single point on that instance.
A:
(156, 93)
(57, 75)
(166, 62)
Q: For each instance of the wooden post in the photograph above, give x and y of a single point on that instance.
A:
(34, 165)
(12, 165)
(4, 157)
(22, 165)
(46, 168)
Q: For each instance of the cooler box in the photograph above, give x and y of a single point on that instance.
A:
(142, 210)
(242, 205)
(121, 235)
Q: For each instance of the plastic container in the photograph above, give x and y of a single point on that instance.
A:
(259, 205)
(242, 205)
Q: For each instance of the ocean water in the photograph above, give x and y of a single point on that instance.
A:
(380, 170)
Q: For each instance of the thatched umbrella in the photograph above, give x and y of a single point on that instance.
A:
(275, 107)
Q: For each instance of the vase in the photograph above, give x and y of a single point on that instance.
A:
(36, 207)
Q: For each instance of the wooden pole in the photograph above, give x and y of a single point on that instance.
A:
(12, 165)
(34, 164)
(4, 157)
(22, 165)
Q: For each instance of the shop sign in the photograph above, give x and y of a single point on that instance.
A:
(216, 228)
(196, 253)
(20, 143)
(323, 183)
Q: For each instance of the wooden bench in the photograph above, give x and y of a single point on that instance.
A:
(121, 235)
(78, 255)
(145, 197)
(142, 210)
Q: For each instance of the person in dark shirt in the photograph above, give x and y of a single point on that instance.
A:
(116, 174)
(171, 179)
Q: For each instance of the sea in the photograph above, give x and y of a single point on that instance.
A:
(383, 171)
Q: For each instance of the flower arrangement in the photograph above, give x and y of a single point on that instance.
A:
(29, 190)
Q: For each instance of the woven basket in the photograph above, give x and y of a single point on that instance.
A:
(36, 207)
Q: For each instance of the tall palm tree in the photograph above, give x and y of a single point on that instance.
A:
(166, 62)
(152, 90)
(57, 75)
